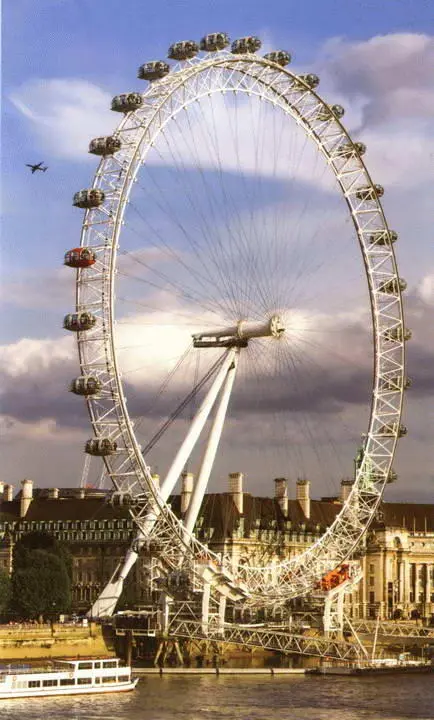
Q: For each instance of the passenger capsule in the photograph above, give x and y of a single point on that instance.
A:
(280, 57)
(250, 44)
(349, 149)
(100, 447)
(327, 112)
(127, 102)
(214, 42)
(393, 286)
(88, 199)
(383, 237)
(392, 476)
(396, 383)
(85, 385)
(396, 334)
(80, 257)
(76, 322)
(121, 499)
(370, 192)
(392, 429)
(312, 81)
(184, 50)
(105, 145)
(154, 70)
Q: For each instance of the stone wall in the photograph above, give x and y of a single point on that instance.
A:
(28, 642)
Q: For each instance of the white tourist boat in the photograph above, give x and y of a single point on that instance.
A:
(66, 677)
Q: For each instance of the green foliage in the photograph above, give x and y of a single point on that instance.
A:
(41, 586)
(22, 553)
(5, 590)
(41, 577)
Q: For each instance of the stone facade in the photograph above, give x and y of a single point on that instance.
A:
(398, 559)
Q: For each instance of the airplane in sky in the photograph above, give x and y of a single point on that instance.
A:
(38, 166)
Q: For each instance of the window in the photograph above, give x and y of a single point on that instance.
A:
(84, 681)
(109, 679)
(49, 683)
(85, 666)
(34, 683)
(371, 581)
(67, 681)
(123, 678)
(109, 663)
(371, 568)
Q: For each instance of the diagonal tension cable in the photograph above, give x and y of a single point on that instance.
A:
(182, 405)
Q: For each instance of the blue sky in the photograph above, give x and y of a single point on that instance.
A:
(74, 54)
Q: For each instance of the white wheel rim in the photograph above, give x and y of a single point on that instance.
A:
(97, 347)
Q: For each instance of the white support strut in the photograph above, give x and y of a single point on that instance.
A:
(211, 449)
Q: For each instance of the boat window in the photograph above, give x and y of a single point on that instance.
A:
(97, 665)
(109, 663)
(67, 681)
(49, 683)
(34, 683)
(109, 679)
(123, 678)
(85, 666)
(97, 680)
(21, 684)
(84, 681)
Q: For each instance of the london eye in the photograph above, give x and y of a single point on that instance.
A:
(232, 231)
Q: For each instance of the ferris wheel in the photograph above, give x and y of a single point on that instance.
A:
(228, 196)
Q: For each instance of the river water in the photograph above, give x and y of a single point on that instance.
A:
(296, 697)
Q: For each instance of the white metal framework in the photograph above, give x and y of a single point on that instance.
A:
(168, 95)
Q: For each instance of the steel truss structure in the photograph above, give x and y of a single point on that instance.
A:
(158, 527)
(390, 628)
(269, 639)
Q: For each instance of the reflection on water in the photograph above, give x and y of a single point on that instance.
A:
(245, 698)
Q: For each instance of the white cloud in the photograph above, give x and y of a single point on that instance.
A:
(31, 357)
(66, 114)
(393, 73)
(426, 289)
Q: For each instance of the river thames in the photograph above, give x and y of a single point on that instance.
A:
(297, 697)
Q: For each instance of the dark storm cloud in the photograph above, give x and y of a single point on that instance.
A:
(324, 385)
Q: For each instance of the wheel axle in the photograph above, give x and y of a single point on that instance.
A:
(240, 334)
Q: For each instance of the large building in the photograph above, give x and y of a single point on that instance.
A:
(397, 558)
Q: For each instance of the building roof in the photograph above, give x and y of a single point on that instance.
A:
(416, 517)
(219, 513)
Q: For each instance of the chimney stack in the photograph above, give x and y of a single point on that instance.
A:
(281, 494)
(53, 493)
(156, 480)
(236, 489)
(303, 495)
(346, 485)
(8, 493)
(26, 496)
(186, 491)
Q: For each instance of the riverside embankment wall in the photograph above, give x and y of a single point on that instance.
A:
(31, 642)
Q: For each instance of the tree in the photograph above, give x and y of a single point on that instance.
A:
(36, 540)
(41, 577)
(5, 591)
(41, 587)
